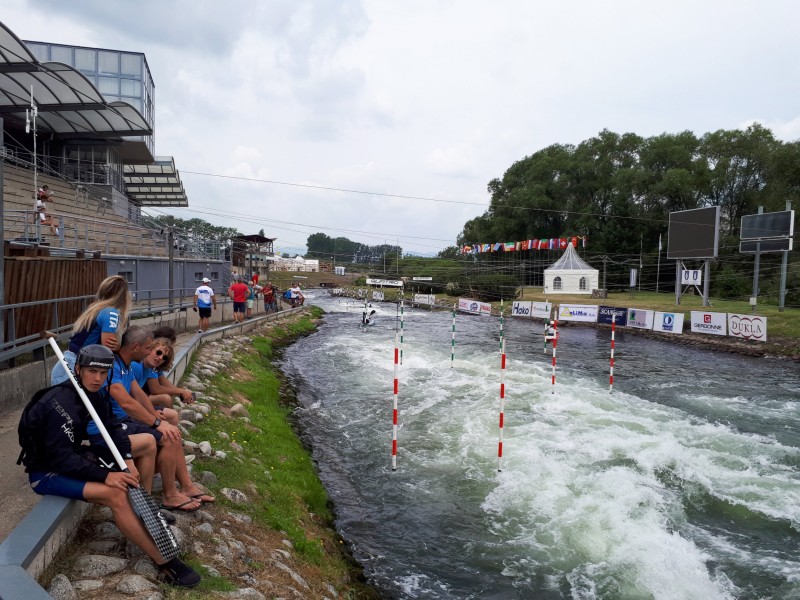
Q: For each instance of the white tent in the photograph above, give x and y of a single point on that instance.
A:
(570, 275)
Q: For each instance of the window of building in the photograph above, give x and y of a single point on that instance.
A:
(108, 62)
(557, 283)
(61, 54)
(128, 275)
(131, 87)
(131, 65)
(582, 283)
(198, 276)
(214, 275)
(86, 60)
(39, 51)
(108, 85)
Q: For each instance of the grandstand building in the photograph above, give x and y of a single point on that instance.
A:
(90, 139)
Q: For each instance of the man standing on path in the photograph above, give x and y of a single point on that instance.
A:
(203, 300)
(238, 293)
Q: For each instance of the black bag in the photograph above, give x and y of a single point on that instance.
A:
(30, 435)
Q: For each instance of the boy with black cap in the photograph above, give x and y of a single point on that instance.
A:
(52, 430)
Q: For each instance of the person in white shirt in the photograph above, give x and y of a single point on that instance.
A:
(204, 299)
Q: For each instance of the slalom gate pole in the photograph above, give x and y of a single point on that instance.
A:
(402, 325)
(502, 404)
(546, 325)
(394, 408)
(501, 325)
(453, 342)
(555, 343)
(611, 368)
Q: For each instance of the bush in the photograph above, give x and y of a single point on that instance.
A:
(493, 287)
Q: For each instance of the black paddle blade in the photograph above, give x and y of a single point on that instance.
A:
(147, 511)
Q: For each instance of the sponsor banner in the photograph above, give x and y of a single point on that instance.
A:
(521, 309)
(691, 277)
(474, 307)
(748, 327)
(640, 318)
(541, 310)
(422, 279)
(668, 322)
(577, 312)
(709, 322)
(424, 299)
(376, 295)
(605, 315)
(386, 282)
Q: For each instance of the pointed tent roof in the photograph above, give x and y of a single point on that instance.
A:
(570, 262)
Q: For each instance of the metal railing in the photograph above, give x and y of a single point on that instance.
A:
(83, 233)
(147, 303)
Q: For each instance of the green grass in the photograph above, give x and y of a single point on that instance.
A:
(284, 478)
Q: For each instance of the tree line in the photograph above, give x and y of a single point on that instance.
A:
(618, 190)
(322, 246)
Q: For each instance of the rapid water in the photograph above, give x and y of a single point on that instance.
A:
(684, 483)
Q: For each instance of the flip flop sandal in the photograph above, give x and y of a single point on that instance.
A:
(179, 507)
(201, 496)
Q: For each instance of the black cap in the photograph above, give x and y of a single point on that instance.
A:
(95, 355)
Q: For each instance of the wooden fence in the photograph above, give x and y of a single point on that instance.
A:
(29, 279)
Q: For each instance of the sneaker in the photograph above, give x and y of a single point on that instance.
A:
(199, 331)
(178, 573)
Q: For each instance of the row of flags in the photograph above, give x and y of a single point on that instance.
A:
(539, 244)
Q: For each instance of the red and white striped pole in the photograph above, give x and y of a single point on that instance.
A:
(611, 368)
(453, 341)
(394, 410)
(502, 403)
(555, 343)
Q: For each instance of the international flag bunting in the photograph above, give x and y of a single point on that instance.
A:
(538, 244)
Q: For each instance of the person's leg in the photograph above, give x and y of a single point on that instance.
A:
(169, 460)
(187, 485)
(170, 415)
(161, 400)
(127, 521)
(143, 447)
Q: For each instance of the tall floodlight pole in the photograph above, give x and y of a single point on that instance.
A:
(30, 124)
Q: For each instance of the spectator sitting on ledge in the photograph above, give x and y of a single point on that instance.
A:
(162, 385)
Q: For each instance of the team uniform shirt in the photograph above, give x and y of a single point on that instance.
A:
(204, 294)
(124, 375)
(141, 373)
(240, 291)
(62, 419)
(107, 321)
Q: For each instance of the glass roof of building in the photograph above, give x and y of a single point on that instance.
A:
(155, 184)
(68, 103)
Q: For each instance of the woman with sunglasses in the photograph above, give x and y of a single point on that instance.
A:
(146, 369)
(157, 382)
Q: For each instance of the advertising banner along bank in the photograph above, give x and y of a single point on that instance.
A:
(709, 322)
(748, 327)
(640, 318)
(605, 314)
(578, 312)
(536, 310)
(474, 307)
(424, 299)
(666, 322)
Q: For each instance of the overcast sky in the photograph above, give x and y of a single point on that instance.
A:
(423, 98)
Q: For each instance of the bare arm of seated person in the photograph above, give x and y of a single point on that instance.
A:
(162, 385)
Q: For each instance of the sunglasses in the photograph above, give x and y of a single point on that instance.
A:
(163, 354)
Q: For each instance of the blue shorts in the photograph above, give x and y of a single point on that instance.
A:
(53, 484)
(58, 375)
(131, 428)
(238, 307)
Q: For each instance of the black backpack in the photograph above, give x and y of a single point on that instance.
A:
(30, 436)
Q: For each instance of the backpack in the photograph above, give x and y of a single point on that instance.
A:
(30, 436)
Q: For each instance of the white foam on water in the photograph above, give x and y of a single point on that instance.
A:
(594, 485)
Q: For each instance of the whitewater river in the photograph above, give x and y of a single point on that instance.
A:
(683, 483)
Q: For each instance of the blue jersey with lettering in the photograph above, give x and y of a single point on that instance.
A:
(107, 321)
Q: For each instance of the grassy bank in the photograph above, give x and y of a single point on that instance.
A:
(273, 468)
